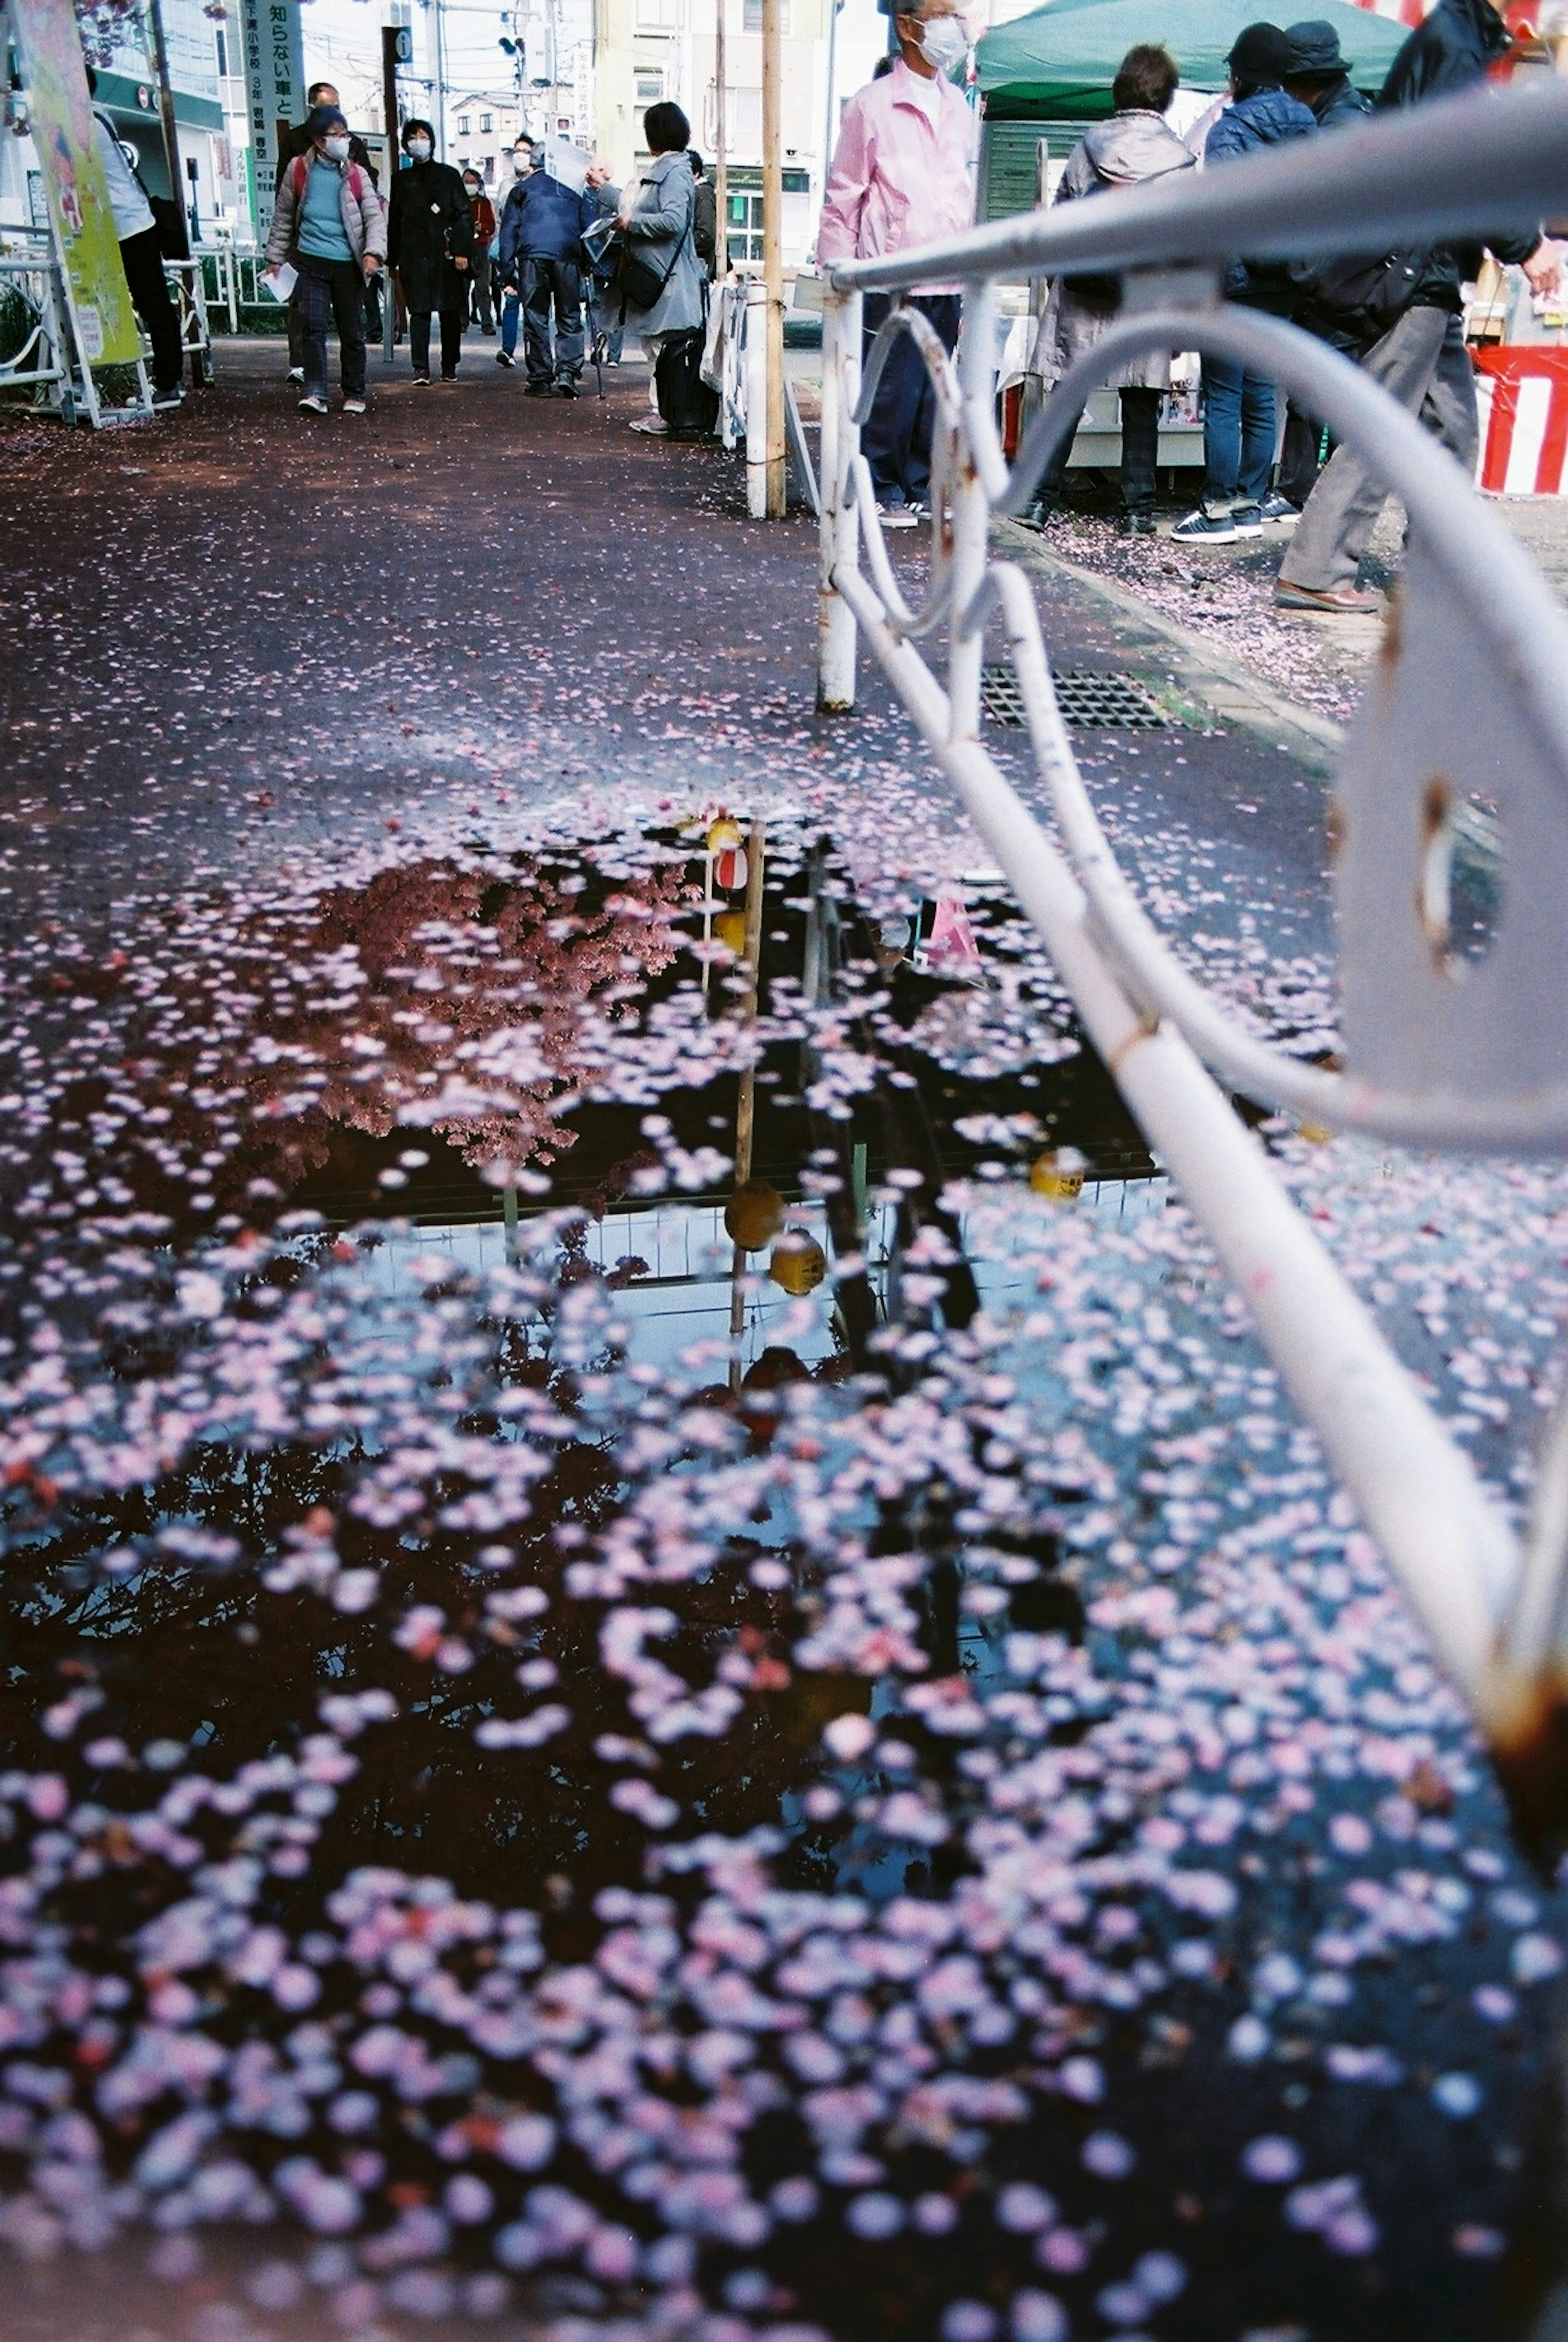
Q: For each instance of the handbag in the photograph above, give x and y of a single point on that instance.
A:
(1358, 294)
(639, 283)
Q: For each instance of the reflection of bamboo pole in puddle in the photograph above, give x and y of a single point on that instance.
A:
(509, 1220)
(746, 1105)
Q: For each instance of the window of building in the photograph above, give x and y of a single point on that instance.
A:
(658, 16)
(650, 86)
(464, 125)
(744, 240)
(222, 46)
(752, 16)
(489, 167)
(486, 124)
(743, 120)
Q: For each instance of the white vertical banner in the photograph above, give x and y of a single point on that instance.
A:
(274, 92)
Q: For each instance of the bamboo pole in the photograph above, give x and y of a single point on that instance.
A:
(773, 248)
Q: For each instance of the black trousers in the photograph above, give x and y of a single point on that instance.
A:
(895, 440)
(149, 291)
(331, 290)
(1139, 453)
(452, 323)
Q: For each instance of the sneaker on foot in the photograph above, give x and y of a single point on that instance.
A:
(1334, 601)
(1247, 520)
(1137, 524)
(164, 400)
(653, 425)
(449, 377)
(421, 382)
(1279, 510)
(539, 390)
(505, 358)
(313, 406)
(353, 406)
(896, 516)
(1206, 528)
(566, 387)
(296, 374)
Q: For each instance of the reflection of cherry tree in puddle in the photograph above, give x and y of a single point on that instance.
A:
(591, 1836)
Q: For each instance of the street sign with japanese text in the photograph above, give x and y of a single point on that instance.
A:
(274, 92)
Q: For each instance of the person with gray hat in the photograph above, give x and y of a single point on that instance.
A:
(1319, 77)
(1420, 357)
(1238, 404)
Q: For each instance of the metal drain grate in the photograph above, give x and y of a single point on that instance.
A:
(1100, 703)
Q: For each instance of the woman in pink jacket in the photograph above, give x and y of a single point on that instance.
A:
(905, 175)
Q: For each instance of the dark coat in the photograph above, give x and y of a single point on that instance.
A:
(1342, 107)
(429, 225)
(705, 223)
(1123, 152)
(296, 140)
(1452, 52)
(543, 220)
(1271, 119)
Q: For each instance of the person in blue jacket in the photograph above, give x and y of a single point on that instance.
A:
(542, 254)
(1239, 417)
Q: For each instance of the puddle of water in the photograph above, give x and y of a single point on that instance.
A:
(666, 1662)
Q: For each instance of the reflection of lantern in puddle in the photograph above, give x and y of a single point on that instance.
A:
(729, 856)
(798, 1264)
(1058, 1172)
(730, 928)
(753, 1215)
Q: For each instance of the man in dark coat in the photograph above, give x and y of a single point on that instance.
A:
(542, 250)
(430, 243)
(1421, 358)
(296, 140)
(1319, 77)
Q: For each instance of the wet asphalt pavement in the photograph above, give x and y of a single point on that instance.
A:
(670, 1667)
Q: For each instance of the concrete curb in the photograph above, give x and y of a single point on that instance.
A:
(1227, 686)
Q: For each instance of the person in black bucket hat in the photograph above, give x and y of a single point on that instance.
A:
(1320, 76)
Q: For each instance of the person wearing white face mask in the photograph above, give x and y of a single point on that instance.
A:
(329, 224)
(430, 243)
(903, 172)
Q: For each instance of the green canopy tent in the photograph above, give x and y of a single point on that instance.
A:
(1047, 74)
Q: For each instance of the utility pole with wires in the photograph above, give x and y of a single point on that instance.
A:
(773, 250)
(440, 82)
(721, 128)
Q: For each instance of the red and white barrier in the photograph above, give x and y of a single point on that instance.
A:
(1523, 390)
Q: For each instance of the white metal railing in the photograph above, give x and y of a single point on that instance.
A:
(1471, 695)
(41, 363)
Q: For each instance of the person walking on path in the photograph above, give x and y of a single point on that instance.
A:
(902, 174)
(523, 162)
(1319, 77)
(482, 313)
(1421, 358)
(1136, 144)
(1239, 410)
(295, 140)
(658, 227)
(603, 304)
(141, 257)
(328, 223)
(541, 256)
(430, 243)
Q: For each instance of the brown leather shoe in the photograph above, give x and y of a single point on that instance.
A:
(1337, 601)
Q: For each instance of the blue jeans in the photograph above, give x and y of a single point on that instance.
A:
(1238, 434)
(511, 311)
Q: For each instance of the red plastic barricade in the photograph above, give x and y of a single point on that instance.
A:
(1524, 394)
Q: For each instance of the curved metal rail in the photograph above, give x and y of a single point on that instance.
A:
(1471, 696)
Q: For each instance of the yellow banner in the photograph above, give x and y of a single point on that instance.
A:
(61, 118)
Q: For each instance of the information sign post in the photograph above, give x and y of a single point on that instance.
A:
(103, 323)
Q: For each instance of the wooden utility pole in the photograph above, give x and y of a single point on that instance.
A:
(160, 59)
(773, 247)
(720, 128)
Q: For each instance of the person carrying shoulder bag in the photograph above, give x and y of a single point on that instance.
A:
(660, 280)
